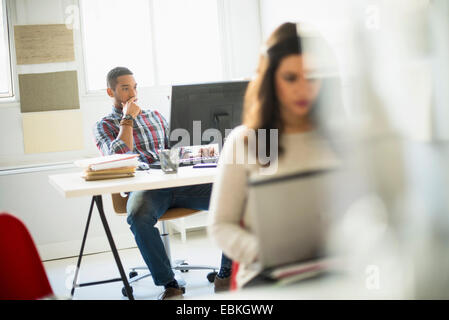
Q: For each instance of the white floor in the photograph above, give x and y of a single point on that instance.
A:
(198, 249)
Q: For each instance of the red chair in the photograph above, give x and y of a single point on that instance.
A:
(22, 274)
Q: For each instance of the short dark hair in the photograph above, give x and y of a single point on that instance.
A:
(114, 74)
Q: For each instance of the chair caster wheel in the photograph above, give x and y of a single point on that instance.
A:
(133, 274)
(184, 264)
(124, 291)
(211, 276)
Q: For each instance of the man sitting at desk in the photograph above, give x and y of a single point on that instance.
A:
(129, 129)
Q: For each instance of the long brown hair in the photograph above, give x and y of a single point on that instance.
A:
(261, 107)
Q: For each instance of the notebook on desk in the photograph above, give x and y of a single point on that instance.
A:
(291, 215)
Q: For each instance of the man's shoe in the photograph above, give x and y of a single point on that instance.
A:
(171, 293)
(222, 284)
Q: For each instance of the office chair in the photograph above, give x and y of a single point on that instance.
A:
(119, 203)
(22, 274)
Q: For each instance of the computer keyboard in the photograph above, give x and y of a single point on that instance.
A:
(192, 161)
(188, 162)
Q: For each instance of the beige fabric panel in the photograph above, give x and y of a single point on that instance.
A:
(43, 44)
(48, 91)
(52, 131)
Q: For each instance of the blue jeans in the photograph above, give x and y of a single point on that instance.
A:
(146, 207)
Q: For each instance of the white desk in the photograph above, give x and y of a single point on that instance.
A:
(73, 185)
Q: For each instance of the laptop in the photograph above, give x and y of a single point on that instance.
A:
(292, 214)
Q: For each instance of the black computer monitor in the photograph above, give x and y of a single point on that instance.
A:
(216, 105)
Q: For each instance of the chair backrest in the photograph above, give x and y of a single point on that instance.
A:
(119, 203)
(22, 274)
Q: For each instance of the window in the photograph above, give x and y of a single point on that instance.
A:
(5, 64)
(162, 41)
(187, 41)
(116, 33)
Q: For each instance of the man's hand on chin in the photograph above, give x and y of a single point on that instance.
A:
(130, 107)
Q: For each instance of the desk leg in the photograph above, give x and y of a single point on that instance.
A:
(80, 256)
(99, 202)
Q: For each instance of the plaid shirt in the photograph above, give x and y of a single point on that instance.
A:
(150, 133)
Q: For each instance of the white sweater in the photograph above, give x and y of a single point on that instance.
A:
(228, 209)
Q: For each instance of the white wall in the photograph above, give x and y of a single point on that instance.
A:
(327, 15)
(244, 36)
(333, 19)
(57, 224)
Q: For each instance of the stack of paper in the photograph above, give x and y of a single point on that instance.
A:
(109, 167)
(300, 271)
